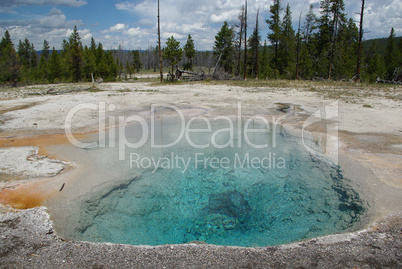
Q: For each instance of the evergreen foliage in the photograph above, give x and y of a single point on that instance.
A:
(73, 63)
(274, 24)
(223, 49)
(189, 51)
(326, 47)
(286, 55)
(172, 53)
(9, 61)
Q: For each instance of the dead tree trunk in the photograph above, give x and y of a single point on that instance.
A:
(241, 18)
(159, 45)
(359, 56)
(298, 48)
(256, 47)
(245, 41)
(333, 47)
(217, 62)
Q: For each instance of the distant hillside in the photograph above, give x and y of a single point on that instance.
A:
(381, 44)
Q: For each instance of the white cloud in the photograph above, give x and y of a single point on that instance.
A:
(116, 28)
(229, 15)
(8, 5)
(145, 22)
(55, 11)
(201, 19)
(381, 16)
(54, 28)
(56, 19)
(135, 32)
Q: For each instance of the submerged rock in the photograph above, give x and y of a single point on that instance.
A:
(231, 204)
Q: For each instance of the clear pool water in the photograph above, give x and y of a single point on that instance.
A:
(257, 197)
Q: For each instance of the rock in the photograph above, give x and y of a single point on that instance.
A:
(231, 203)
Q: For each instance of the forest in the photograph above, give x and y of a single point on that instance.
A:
(323, 47)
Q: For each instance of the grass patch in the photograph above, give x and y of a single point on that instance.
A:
(251, 83)
(368, 106)
(124, 90)
(94, 89)
(339, 90)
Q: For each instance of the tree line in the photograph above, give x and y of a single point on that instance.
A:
(77, 63)
(73, 63)
(324, 46)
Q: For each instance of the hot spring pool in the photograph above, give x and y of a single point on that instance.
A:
(223, 194)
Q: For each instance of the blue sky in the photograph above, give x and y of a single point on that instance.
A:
(132, 23)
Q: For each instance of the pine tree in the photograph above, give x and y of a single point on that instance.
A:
(34, 74)
(255, 46)
(9, 61)
(172, 53)
(274, 24)
(112, 68)
(89, 63)
(137, 64)
(92, 46)
(24, 53)
(374, 63)
(128, 69)
(45, 50)
(398, 74)
(120, 69)
(55, 69)
(305, 63)
(265, 70)
(323, 40)
(43, 62)
(75, 55)
(65, 61)
(309, 24)
(224, 47)
(345, 57)
(338, 18)
(12, 70)
(189, 50)
(101, 63)
(43, 69)
(391, 55)
(5, 42)
(287, 46)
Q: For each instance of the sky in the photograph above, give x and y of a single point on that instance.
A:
(133, 23)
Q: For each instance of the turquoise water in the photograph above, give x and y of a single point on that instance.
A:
(257, 197)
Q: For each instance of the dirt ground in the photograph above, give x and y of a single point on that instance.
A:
(369, 126)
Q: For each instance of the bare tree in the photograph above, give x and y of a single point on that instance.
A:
(241, 19)
(336, 9)
(245, 40)
(298, 48)
(359, 56)
(255, 46)
(159, 45)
